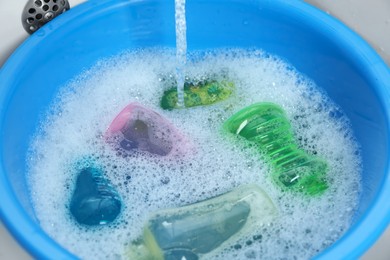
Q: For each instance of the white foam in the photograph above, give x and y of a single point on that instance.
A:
(74, 126)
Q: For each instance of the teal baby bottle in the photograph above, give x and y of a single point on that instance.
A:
(94, 201)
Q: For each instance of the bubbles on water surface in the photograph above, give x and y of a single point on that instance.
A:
(74, 127)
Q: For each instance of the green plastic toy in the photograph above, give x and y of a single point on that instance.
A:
(266, 125)
(201, 94)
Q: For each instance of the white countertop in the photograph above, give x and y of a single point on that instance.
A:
(371, 19)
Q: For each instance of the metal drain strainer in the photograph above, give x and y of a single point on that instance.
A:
(38, 12)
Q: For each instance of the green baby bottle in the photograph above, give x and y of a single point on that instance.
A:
(266, 125)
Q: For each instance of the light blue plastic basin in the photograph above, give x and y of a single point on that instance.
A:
(322, 48)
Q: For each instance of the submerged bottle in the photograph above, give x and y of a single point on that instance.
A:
(200, 94)
(94, 201)
(203, 228)
(139, 129)
(266, 125)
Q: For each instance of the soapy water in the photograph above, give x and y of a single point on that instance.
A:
(74, 128)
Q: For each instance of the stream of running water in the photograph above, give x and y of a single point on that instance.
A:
(181, 49)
